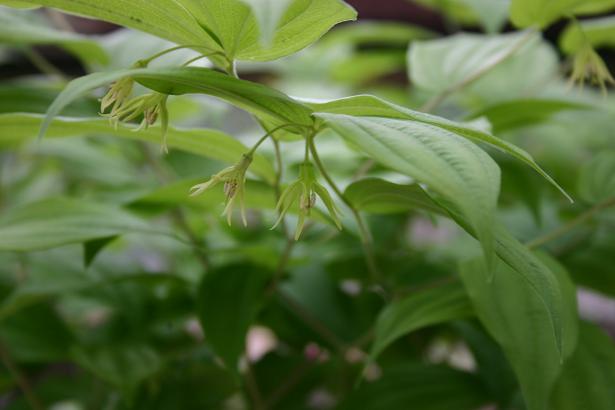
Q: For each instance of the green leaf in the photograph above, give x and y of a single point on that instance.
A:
(124, 367)
(417, 386)
(368, 106)
(19, 31)
(541, 13)
(492, 14)
(209, 143)
(589, 375)
(235, 27)
(55, 222)
(450, 165)
(515, 314)
(24, 98)
(228, 301)
(366, 32)
(36, 334)
(527, 67)
(514, 114)
(268, 14)
(378, 196)
(598, 32)
(596, 182)
(262, 101)
(166, 19)
(421, 309)
(92, 248)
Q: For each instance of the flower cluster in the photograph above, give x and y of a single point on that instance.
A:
(304, 191)
(587, 64)
(118, 106)
(234, 178)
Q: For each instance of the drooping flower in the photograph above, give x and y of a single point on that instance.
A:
(305, 191)
(150, 106)
(587, 64)
(118, 94)
(234, 178)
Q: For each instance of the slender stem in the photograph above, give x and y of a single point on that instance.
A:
(21, 380)
(197, 58)
(289, 383)
(179, 218)
(438, 99)
(564, 229)
(366, 238)
(318, 327)
(252, 387)
(270, 134)
(278, 184)
(42, 64)
(172, 49)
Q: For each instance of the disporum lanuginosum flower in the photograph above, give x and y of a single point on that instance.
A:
(587, 64)
(234, 178)
(305, 192)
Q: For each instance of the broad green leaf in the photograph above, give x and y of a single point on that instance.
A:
(36, 334)
(366, 32)
(541, 13)
(492, 14)
(235, 28)
(417, 386)
(588, 377)
(167, 19)
(369, 106)
(21, 32)
(598, 32)
(55, 222)
(450, 165)
(36, 99)
(510, 115)
(525, 66)
(209, 143)
(18, 4)
(123, 366)
(418, 310)
(93, 247)
(266, 103)
(378, 196)
(268, 14)
(596, 181)
(515, 315)
(228, 301)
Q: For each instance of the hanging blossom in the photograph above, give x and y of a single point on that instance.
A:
(305, 191)
(234, 178)
(118, 106)
(587, 64)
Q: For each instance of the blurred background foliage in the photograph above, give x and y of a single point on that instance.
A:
(108, 318)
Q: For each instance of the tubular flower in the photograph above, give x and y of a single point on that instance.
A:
(587, 64)
(305, 191)
(234, 178)
(150, 106)
(117, 95)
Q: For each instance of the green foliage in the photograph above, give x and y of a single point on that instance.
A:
(401, 246)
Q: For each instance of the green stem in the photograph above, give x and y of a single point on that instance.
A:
(43, 65)
(366, 238)
(564, 229)
(270, 134)
(172, 49)
(20, 379)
